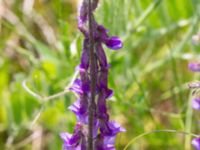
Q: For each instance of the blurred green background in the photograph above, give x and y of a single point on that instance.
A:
(40, 43)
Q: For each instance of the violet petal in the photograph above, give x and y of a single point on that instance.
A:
(196, 103)
(76, 87)
(114, 43)
(110, 128)
(196, 143)
(195, 67)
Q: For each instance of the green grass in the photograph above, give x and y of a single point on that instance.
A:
(149, 75)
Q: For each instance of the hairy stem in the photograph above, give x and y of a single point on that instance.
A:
(92, 78)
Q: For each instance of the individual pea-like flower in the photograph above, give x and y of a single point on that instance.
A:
(196, 103)
(113, 43)
(196, 143)
(104, 142)
(76, 87)
(80, 110)
(104, 130)
(110, 128)
(75, 141)
(195, 67)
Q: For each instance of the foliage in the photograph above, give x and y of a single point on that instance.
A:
(149, 75)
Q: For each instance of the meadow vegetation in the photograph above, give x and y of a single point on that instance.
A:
(40, 46)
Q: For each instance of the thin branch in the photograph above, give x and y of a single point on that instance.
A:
(37, 96)
(37, 116)
(46, 99)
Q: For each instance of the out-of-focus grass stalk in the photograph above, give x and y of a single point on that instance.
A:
(142, 18)
(158, 131)
(188, 123)
(44, 100)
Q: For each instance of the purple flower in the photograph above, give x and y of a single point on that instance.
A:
(114, 43)
(75, 141)
(85, 55)
(81, 86)
(84, 10)
(111, 42)
(104, 142)
(101, 55)
(110, 128)
(195, 67)
(76, 87)
(80, 109)
(196, 143)
(104, 131)
(196, 103)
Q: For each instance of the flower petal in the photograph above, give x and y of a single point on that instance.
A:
(85, 55)
(67, 145)
(65, 136)
(114, 43)
(101, 55)
(80, 109)
(76, 87)
(196, 143)
(104, 142)
(110, 128)
(195, 67)
(196, 103)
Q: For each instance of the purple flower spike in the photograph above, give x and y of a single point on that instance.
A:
(114, 43)
(196, 103)
(92, 84)
(196, 143)
(195, 67)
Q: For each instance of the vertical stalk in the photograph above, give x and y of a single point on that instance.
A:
(92, 78)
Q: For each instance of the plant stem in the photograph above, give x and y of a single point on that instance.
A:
(92, 78)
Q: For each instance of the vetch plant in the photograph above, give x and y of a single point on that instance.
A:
(93, 130)
(195, 67)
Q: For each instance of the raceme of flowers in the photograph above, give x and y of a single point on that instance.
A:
(195, 67)
(104, 130)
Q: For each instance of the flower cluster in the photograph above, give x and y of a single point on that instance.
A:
(104, 130)
(195, 67)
